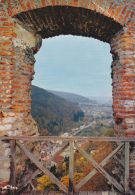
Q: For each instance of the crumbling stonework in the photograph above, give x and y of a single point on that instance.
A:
(123, 69)
(25, 22)
(16, 68)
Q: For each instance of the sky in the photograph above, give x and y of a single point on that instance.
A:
(74, 64)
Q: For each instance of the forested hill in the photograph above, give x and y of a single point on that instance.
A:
(74, 98)
(53, 114)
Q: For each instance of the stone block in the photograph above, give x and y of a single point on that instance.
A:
(5, 127)
(9, 120)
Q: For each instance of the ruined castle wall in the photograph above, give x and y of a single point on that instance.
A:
(123, 74)
(16, 73)
(18, 46)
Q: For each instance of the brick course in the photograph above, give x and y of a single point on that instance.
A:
(22, 26)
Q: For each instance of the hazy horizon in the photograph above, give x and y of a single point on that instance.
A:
(90, 97)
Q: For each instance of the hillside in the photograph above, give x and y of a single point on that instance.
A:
(53, 114)
(74, 98)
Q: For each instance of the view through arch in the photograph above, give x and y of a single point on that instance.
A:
(56, 20)
(23, 26)
(68, 66)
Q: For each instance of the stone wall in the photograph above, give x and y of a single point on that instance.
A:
(7, 66)
(24, 23)
(123, 73)
(16, 72)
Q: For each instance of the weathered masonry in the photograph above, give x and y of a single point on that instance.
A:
(23, 24)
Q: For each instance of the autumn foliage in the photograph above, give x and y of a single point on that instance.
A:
(98, 151)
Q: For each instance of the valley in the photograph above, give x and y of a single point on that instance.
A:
(67, 114)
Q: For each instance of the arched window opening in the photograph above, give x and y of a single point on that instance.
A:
(77, 69)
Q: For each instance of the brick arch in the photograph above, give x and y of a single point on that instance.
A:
(116, 9)
(105, 20)
(55, 20)
(19, 41)
(111, 21)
